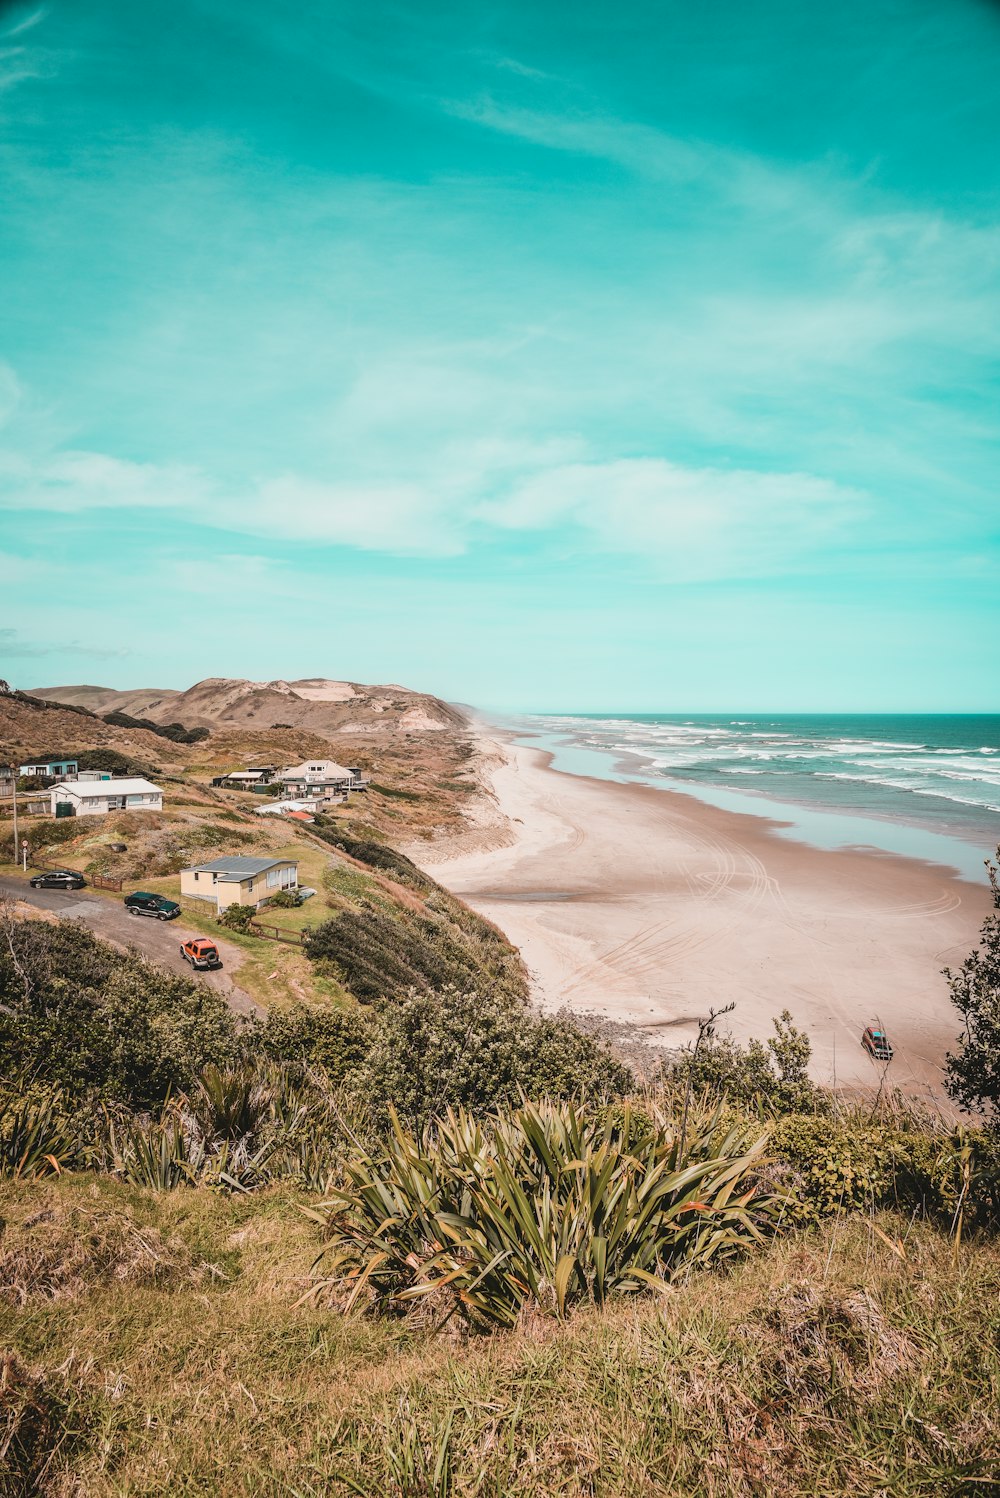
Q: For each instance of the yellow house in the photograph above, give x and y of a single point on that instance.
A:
(239, 881)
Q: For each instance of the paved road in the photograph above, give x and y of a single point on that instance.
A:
(159, 940)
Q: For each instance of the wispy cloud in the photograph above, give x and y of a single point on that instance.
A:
(641, 148)
(14, 646)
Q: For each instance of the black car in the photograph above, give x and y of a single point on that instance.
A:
(57, 879)
(157, 906)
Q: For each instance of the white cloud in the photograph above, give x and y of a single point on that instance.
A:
(641, 148)
(697, 523)
(691, 523)
(78, 481)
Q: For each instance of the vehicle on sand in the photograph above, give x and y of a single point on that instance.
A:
(876, 1043)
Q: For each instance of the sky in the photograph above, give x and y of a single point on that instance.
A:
(567, 357)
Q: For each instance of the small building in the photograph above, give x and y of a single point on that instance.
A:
(95, 798)
(246, 780)
(237, 880)
(56, 768)
(286, 808)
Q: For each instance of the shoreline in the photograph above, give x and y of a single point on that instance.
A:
(649, 906)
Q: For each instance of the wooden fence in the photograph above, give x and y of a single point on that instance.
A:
(277, 933)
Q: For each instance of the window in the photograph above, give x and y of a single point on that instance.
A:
(273, 878)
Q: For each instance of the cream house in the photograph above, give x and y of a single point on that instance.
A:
(95, 798)
(239, 881)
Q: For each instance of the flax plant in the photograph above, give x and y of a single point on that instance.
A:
(541, 1208)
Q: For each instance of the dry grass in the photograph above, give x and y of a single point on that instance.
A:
(57, 1250)
(830, 1364)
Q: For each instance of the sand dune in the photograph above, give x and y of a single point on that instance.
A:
(649, 906)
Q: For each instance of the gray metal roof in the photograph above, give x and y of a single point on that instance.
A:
(237, 868)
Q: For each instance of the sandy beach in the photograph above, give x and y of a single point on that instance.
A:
(649, 906)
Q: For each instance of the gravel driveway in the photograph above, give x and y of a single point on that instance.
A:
(158, 940)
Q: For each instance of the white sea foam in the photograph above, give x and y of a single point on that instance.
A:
(787, 759)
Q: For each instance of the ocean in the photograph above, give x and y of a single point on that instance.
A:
(925, 786)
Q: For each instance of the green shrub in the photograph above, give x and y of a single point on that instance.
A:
(375, 855)
(40, 836)
(544, 1208)
(34, 1137)
(828, 1164)
(110, 761)
(447, 1048)
(337, 1040)
(237, 917)
(972, 1075)
(773, 1076)
(283, 900)
(96, 1021)
(375, 954)
(176, 732)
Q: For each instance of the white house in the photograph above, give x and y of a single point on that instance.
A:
(95, 798)
(322, 777)
(245, 780)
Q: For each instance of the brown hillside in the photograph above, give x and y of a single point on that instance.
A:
(27, 731)
(315, 705)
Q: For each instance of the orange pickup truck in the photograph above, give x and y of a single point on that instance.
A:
(201, 953)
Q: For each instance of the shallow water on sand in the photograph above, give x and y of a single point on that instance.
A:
(923, 787)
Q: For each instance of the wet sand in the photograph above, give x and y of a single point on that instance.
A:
(650, 907)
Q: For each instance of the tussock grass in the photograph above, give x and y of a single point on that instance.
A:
(58, 1250)
(862, 1357)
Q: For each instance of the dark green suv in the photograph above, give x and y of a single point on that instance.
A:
(158, 906)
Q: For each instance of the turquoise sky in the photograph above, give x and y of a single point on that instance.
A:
(556, 356)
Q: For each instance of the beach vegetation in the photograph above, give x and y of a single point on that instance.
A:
(771, 1076)
(972, 1073)
(431, 1051)
(102, 1023)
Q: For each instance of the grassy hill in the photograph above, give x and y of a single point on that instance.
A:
(155, 1344)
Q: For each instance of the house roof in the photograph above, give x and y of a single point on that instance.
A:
(233, 870)
(125, 785)
(328, 768)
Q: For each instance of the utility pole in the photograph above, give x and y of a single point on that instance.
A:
(14, 783)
